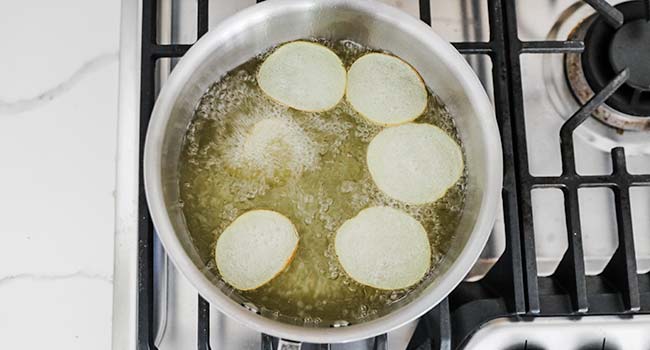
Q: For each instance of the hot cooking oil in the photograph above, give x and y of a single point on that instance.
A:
(310, 167)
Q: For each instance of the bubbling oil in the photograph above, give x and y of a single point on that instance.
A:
(310, 167)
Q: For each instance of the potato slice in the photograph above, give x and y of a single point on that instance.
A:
(384, 248)
(414, 163)
(303, 75)
(385, 89)
(255, 248)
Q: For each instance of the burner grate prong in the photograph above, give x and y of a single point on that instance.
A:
(425, 11)
(566, 132)
(203, 15)
(171, 50)
(476, 47)
(203, 326)
(621, 269)
(612, 16)
(381, 342)
(547, 46)
(571, 271)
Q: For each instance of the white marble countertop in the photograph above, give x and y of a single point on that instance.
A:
(58, 116)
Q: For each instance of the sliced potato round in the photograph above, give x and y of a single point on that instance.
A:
(255, 248)
(414, 163)
(303, 75)
(385, 89)
(384, 248)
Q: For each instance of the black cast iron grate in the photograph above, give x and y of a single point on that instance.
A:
(512, 288)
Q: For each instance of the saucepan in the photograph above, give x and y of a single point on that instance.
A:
(371, 23)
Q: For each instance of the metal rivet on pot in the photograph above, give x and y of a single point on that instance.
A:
(340, 323)
(251, 307)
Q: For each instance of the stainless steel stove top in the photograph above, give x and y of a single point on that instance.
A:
(547, 101)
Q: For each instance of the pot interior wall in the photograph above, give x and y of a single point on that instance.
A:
(343, 22)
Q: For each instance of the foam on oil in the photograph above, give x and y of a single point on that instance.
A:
(244, 151)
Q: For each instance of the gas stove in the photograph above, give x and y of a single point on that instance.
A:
(570, 252)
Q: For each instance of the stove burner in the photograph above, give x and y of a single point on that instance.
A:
(568, 89)
(630, 48)
(609, 50)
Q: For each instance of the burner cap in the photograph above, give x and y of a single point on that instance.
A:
(630, 48)
(609, 51)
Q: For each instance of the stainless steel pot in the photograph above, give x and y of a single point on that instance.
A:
(372, 23)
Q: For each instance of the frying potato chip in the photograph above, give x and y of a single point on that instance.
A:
(255, 248)
(384, 248)
(414, 163)
(303, 75)
(385, 90)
